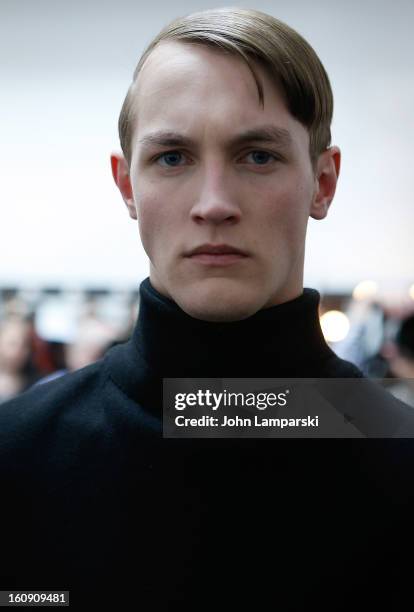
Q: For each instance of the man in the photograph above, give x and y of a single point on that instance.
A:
(226, 139)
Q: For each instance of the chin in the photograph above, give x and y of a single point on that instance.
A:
(217, 303)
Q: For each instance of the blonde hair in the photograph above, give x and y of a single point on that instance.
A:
(288, 58)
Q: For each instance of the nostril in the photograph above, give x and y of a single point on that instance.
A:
(215, 220)
(216, 212)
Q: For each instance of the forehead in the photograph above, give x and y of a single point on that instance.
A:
(191, 88)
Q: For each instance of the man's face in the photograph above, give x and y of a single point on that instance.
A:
(222, 214)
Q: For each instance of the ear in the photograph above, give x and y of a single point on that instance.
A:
(326, 177)
(120, 172)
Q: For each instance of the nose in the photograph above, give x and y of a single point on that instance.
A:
(217, 201)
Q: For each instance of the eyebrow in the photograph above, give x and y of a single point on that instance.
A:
(265, 133)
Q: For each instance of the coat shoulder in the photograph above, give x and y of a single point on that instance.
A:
(52, 407)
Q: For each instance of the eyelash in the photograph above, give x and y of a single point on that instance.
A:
(273, 155)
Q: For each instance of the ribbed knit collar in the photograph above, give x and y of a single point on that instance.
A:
(280, 341)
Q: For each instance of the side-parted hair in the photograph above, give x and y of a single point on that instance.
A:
(252, 35)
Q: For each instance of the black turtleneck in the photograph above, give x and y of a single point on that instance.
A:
(280, 341)
(284, 340)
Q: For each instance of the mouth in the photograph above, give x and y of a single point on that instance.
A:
(216, 255)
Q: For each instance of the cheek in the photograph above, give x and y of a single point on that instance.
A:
(160, 210)
(286, 212)
(153, 222)
(148, 207)
(147, 223)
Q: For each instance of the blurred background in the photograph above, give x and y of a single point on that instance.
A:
(71, 260)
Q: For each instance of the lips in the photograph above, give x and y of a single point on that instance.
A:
(216, 249)
(216, 255)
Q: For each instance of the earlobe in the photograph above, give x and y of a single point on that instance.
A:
(327, 172)
(319, 210)
(120, 173)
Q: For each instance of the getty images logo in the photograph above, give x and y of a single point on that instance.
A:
(225, 398)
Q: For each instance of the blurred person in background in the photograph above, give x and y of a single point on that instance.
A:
(92, 339)
(400, 356)
(71, 335)
(365, 338)
(17, 372)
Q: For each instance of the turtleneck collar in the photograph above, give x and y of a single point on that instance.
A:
(281, 341)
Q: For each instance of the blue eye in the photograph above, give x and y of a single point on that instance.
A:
(261, 157)
(171, 158)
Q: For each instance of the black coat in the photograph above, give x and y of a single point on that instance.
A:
(95, 501)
